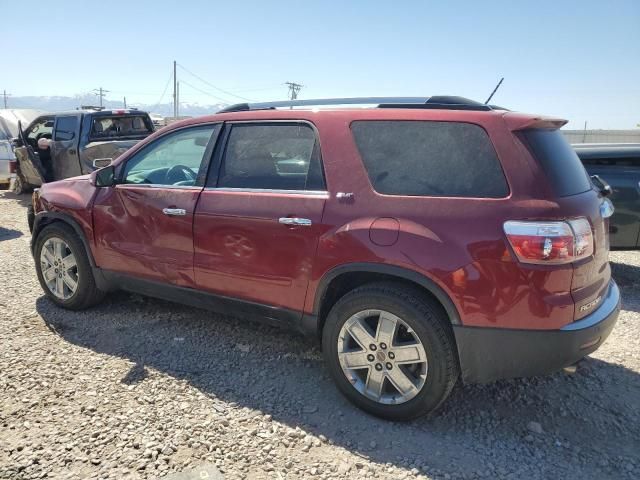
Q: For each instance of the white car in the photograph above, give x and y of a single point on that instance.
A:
(7, 159)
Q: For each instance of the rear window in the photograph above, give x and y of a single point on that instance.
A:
(559, 161)
(120, 126)
(424, 158)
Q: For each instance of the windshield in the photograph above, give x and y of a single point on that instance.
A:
(120, 126)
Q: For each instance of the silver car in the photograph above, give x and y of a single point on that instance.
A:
(7, 159)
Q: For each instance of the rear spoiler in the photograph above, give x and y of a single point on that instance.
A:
(522, 121)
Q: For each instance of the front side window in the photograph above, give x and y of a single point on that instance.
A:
(174, 159)
(426, 158)
(65, 128)
(42, 128)
(273, 157)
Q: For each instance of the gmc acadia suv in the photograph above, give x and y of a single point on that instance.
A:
(420, 239)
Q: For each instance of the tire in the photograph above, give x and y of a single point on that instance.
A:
(86, 293)
(420, 321)
(18, 186)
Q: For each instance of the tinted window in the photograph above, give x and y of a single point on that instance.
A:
(174, 159)
(558, 160)
(65, 128)
(429, 159)
(275, 157)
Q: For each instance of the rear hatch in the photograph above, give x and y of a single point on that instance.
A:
(576, 197)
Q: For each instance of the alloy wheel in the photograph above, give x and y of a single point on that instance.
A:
(59, 268)
(382, 357)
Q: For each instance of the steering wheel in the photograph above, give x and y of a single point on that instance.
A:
(179, 173)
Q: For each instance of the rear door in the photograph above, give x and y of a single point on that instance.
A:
(144, 224)
(259, 219)
(64, 147)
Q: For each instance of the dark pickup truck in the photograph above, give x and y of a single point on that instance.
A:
(68, 144)
(619, 166)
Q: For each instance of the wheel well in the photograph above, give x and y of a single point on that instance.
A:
(345, 282)
(62, 220)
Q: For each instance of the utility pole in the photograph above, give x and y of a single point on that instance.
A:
(100, 92)
(124, 100)
(294, 88)
(5, 95)
(175, 92)
(178, 101)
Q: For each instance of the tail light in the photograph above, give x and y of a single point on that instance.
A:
(550, 243)
(13, 166)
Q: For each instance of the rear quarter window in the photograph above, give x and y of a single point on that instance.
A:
(427, 158)
(558, 160)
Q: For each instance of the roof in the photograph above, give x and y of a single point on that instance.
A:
(611, 150)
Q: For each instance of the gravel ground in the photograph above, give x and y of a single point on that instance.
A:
(141, 388)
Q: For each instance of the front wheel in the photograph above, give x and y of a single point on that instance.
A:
(63, 268)
(390, 350)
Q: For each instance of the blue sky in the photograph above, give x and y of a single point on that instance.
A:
(575, 59)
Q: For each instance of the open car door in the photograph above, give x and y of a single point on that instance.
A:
(30, 170)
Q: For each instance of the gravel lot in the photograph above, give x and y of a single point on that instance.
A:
(141, 388)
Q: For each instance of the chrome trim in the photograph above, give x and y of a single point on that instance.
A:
(310, 193)
(295, 221)
(174, 212)
(154, 185)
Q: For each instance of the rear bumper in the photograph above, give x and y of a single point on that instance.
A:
(488, 354)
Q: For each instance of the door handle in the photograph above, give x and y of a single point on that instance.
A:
(72, 151)
(304, 222)
(174, 212)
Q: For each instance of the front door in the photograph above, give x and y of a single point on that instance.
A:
(144, 225)
(259, 219)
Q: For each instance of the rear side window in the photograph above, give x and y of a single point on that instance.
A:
(558, 160)
(272, 157)
(424, 158)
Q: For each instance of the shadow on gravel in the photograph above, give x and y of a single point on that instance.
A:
(9, 234)
(23, 199)
(627, 277)
(479, 430)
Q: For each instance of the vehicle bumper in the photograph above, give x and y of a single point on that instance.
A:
(488, 354)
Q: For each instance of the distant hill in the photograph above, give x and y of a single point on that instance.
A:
(59, 103)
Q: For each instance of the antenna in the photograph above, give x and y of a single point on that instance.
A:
(494, 91)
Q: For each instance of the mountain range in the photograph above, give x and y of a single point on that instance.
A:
(61, 103)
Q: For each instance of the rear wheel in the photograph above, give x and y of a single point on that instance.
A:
(390, 350)
(63, 268)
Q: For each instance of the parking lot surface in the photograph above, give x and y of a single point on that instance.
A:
(142, 388)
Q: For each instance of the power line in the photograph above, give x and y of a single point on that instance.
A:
(294, 89)
(163, 91)
(213, 86)
(101, 92)
(204, 92)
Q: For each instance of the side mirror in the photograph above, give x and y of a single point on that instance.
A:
(101, 162)
(105, 177)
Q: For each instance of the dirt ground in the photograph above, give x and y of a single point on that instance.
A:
(141, 388)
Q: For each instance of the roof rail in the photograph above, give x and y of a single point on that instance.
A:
(435, 102)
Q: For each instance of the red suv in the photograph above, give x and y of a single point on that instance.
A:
(420, 239)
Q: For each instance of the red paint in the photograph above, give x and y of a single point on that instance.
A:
(232, 243)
